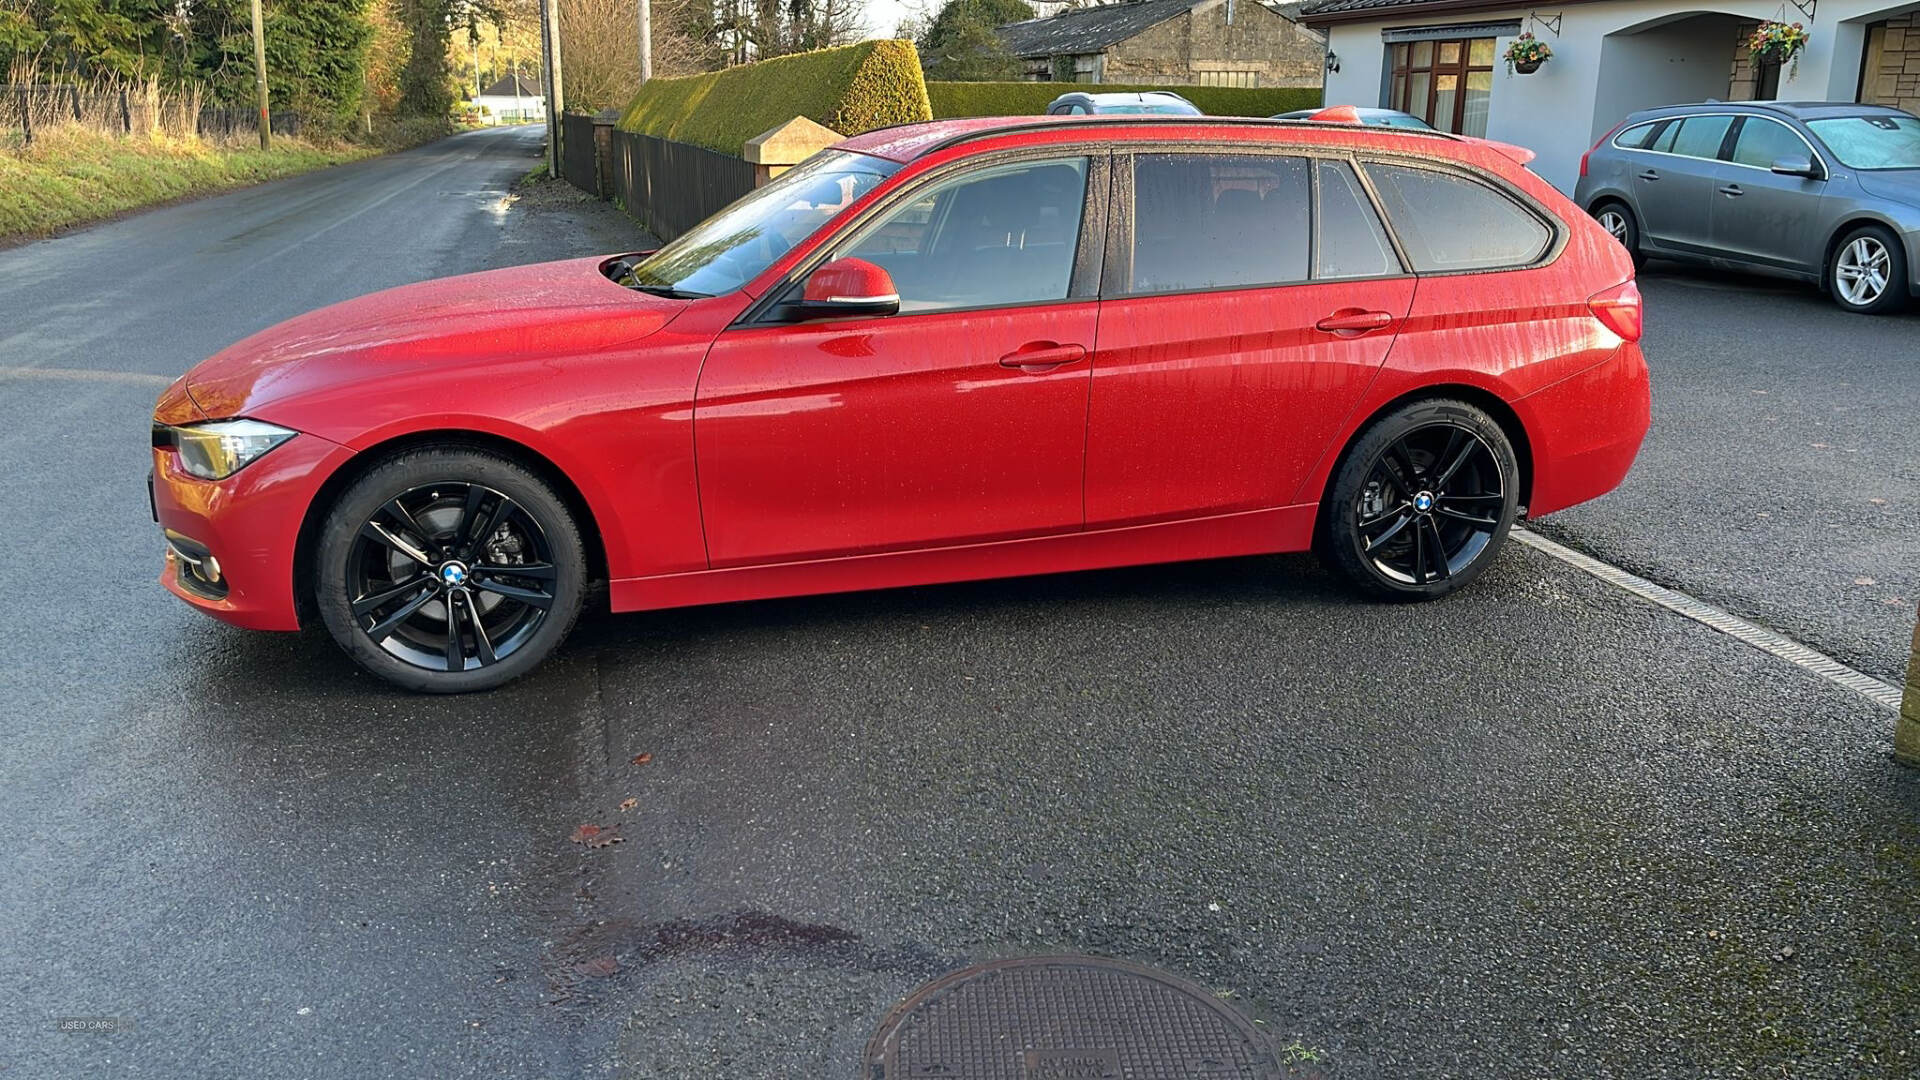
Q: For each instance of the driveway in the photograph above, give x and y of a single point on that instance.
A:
(1537, 829)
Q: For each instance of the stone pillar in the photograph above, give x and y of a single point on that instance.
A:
(774, 152)
(603, 122)
(1906, 736)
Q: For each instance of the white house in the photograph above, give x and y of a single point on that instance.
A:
(512, 100)
(1440, 59)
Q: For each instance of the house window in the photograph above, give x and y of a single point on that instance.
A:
(1445, 83)
(1220, 77)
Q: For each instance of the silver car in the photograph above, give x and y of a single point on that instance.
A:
(1081, 103)
(1822, 191)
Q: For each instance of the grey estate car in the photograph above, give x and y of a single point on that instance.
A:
(1080, 103)
(1822, 191)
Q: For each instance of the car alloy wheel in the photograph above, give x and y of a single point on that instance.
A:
(1863, 271)
(1620, 224)
(1615, 222)
(1422, 501)
(448, 569)
(1430, 506)
(451, 577)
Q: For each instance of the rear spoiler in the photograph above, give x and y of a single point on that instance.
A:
(1519, 155)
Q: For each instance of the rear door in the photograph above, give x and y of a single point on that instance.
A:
(1762, 217)
(1674, 178)
(1249, 300)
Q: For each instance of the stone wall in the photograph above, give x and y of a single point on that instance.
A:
(1259, 48)
(1894, 77)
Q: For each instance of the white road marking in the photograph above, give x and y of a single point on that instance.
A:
(1874, 690)
(84, 375)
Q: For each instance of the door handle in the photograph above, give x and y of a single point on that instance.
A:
(1649, 174)
(1039, 357)
(1352, 322)
(1732, 191)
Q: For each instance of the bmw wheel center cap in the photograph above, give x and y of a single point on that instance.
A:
(453, 575)
(1423, 502)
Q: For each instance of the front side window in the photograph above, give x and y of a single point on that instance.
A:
(1449, 223)
(1883, 141)
(1762, 142)
(1213, 221)
(737, 244)
(1445, 83)
(988, 238)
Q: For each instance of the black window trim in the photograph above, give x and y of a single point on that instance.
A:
(1082, 283)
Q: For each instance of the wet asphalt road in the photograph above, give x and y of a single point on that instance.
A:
(1540, 829)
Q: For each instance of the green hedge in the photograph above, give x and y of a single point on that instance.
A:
(1031, 98)
(850, 89)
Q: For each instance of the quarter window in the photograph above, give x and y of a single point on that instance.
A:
(1000, 236)
(1762, 142)
(1635, 137)
(1209, 221)
(1449, 223)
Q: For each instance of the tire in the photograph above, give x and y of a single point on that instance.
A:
(1432, 472)
(1618, 220)
(1865, 256)
(449, 530)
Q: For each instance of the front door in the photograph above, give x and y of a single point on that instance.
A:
(1234, 339)
(1759, 215)
(924, 428)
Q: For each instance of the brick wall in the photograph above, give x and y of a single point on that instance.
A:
(1260, 48)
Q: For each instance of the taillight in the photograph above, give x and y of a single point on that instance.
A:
(1618, 309)
(1596, 146)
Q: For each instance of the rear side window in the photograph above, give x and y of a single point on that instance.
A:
(1762, 142)
(1212, 221)
(1701, 136)
(1349, 241)
(1449, 223)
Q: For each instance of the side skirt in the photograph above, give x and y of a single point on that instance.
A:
(1253, 532)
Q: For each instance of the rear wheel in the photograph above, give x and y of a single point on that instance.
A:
(1422, 501)
(448, 569)
(1868, 272)
(1622, 226)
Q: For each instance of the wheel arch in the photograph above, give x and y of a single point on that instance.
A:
(359, 464)
(1485, 400)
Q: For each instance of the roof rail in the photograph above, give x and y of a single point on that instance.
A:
(1054, 123)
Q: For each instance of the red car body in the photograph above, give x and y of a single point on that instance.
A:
(714, 461)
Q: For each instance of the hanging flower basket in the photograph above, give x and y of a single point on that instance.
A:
(1525, 54)
(1779, 42)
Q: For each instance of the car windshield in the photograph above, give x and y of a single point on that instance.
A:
(1171, 108)
(1883, 141)
(735, 245)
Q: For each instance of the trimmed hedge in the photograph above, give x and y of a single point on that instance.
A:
(851, 89)
(950, 99)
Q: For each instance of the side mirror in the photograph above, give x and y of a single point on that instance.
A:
(1797, 165)
(847, 287)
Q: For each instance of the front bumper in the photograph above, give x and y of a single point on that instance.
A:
(1586, 430)
(250, 522)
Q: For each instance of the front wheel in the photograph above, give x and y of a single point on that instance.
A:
(449, 569)
(1868, 273)
(1421, 502)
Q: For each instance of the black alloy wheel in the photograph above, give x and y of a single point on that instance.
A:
(449, 570)
(1422, 501)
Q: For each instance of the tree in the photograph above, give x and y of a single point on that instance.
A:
(316, 55)
(960, 42)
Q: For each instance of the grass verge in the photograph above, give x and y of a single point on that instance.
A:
(74, 175)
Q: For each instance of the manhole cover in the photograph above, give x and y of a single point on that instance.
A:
(1065, 1018)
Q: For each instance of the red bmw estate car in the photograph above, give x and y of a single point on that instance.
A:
(948, 351)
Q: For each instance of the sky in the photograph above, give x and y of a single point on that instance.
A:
(883, 16)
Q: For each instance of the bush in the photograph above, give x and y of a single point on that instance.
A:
(851, 89)
(950, 99)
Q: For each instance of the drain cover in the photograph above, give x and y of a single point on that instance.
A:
(1065, 1018)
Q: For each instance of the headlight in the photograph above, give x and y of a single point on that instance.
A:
(217, 450)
